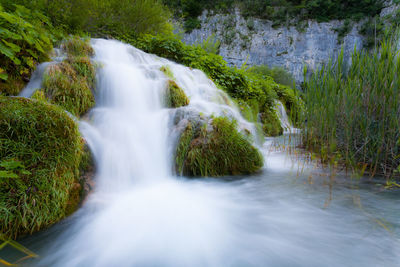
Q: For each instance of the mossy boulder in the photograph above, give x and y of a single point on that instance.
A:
(175, 97)
(40, 155)
(70, 84)
(216, 148)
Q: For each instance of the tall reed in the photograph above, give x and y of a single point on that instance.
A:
(353, 112)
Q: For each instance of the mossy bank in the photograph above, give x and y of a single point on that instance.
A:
(40, 152)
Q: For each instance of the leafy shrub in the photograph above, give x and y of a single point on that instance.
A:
(353, 114)
(216, 150)
(26, 38)
(46, 140)
(100, 18)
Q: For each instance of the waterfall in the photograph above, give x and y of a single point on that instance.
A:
(284, 119)
(140, 214)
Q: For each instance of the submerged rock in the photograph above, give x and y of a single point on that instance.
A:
(215, 148)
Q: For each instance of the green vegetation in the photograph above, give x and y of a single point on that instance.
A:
(279, 11)
(175, 97)
(245, 86)
(40, 152)
(70, 83)
(100, 18)
(217, 149)
(353, 113)
(26, 38)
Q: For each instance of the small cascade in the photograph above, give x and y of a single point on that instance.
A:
(284, 119)
(35, 82)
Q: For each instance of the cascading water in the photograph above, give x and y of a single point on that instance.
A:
(141, 215)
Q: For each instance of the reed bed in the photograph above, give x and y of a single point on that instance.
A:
(353, 112)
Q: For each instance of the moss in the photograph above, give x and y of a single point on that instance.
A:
(217, 149)
(175, 97)
(271, 123)
(12, 87)
(168, 72)
(77, 47)
(47, 141)
(183, 147)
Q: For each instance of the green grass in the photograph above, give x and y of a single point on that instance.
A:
(353, 113)
(216, 150)
(41, 144)
(175, 97)
(70, 84)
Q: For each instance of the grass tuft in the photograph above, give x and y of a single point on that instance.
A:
(175, 97)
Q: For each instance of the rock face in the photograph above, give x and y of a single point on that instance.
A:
(257, 42)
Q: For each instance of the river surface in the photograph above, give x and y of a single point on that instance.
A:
(291, 213)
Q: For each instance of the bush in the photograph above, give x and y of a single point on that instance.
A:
(41, 145)
(26, 38)
(217, 149)
(100, 18)
(353, 114)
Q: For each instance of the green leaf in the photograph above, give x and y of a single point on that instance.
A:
(4, 76)
(13, 47)
(8, 174)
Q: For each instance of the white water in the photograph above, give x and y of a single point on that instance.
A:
(141, 215)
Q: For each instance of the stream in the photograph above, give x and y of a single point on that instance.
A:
(292, 213)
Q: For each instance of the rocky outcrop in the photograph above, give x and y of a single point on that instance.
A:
(254, 41)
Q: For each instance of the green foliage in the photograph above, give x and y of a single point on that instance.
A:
(26, 38)
(279, 74)
(353, 114)
(216, 150)
(175, 97)
(69, 84)
(211, 44)
(271, 124)
(48, 143)
(99, 18)
(285, 91)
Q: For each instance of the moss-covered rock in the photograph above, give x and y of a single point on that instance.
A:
(41, 145)
(175, 97)
(270, 122)
(64, 87)
(216, 149)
